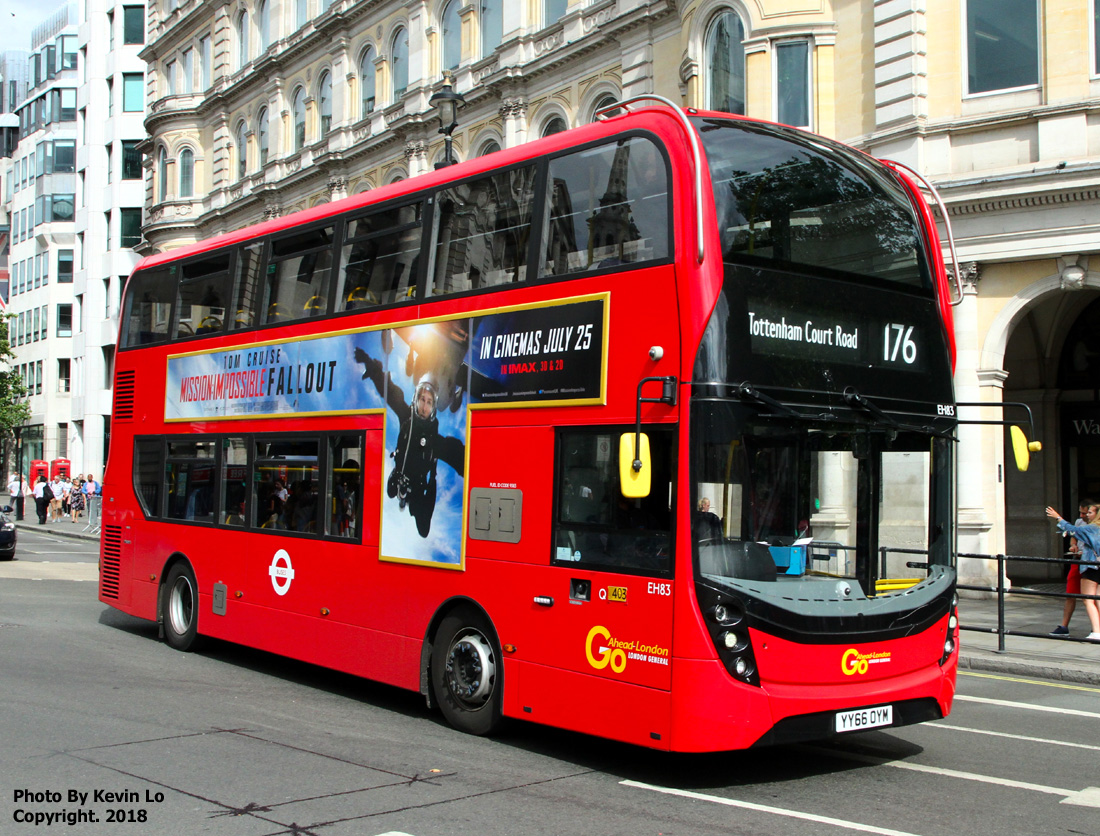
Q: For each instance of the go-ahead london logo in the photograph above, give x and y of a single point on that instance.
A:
(854, 663)
(602, 649)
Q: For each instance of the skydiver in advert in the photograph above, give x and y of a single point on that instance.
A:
(419, 444)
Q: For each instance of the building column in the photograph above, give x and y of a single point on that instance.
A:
(416, 157)
(514, 113)
(832, 521)
(901, 61)
(974, 521)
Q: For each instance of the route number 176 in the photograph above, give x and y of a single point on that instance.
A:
(898, 339)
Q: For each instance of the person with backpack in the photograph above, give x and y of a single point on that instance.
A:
(42, 496)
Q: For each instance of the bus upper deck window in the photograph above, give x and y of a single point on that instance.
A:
(483, 230)
(204, 296)
(150, 299)
(246, 312)
(380, 258)
(297, 282)
(607, 206)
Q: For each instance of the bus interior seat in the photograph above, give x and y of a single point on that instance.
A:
(742, 559)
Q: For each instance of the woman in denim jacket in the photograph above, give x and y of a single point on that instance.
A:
(1088, 541)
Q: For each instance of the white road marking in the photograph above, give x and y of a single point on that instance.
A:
(777, 811)
(1025, 738)
(1088, 797)
(1071, 712)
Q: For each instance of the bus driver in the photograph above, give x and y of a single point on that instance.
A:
(419, 444)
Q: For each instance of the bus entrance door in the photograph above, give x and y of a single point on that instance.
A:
(606, 615)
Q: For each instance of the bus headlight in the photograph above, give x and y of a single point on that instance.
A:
(949, 646)
(726, 619)
(727, 613)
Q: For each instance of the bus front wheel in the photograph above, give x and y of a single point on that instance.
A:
(180, 615)
(466, 673)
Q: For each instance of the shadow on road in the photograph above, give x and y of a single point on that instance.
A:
(772, 765)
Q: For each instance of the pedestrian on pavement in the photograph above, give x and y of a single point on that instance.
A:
(76, 498)
(1086, 513)
(41, 501)
(92, 491)
(1088, 541)
(19, 487)
(58, 489)
(66, 490)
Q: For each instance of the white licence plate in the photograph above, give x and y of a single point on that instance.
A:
(864, 718)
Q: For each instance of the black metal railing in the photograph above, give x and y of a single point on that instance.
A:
(1001, 629)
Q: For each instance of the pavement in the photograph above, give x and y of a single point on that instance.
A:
(1028, 649)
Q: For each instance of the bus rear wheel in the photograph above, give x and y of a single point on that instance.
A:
(180, 608)
(466, 673)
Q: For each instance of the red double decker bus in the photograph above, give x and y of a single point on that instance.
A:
(644, 430)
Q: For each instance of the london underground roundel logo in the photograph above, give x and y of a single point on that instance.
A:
(281, 576)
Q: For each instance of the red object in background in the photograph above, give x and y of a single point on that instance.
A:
(38, 468)
(60, 467)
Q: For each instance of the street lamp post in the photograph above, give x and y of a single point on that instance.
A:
(19, 503)
(447, 102)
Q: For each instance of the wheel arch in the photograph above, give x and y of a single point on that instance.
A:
(451, 605)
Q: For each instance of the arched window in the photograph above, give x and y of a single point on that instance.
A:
(490, 147)
(324, 95)
(299, 119)
(162, 175)
(242, 150)
(366, 81)
(265, 25)
(605, 100)
(301, 13)
(261, 135)
(187, 172)
(725, 68)
(452, 36)
(243, 50)
(553, 11)
(399, 62)
(554, 126)
(492, 26)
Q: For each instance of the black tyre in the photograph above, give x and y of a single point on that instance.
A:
(180, 608)
(467, 673)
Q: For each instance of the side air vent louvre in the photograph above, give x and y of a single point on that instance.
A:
(124, 397)
(110, 561)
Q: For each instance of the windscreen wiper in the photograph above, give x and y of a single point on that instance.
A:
(747, 392)
(857, 402)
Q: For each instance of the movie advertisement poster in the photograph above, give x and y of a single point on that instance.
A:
(424, 378)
